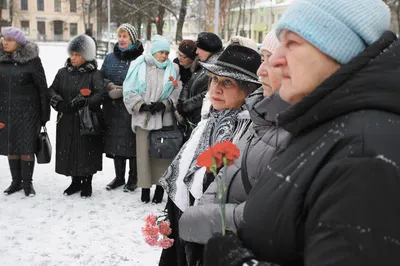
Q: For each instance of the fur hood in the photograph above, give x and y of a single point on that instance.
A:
(22, 55)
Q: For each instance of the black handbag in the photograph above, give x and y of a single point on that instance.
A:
(90, 123)
(166, 142)
(43, 154)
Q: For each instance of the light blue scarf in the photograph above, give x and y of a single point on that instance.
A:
(135, 80)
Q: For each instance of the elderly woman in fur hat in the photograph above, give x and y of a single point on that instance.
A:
(185, 181)
(149, 95)
(78, 156)
(24, 106)
(119, 140)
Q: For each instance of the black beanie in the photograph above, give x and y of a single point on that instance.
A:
(188, 48)
(209, 42)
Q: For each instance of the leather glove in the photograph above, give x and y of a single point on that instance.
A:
(111, 86)
(115, 93)
(65, 108)
(179, 107)
(158, 107)
(78, 102)
(146, 108)
(226, 250)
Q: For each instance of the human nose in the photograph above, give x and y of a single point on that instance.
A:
(262, 70)
(278, 59)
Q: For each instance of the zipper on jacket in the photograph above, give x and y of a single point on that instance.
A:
(9, 111)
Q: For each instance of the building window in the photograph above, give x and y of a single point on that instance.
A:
(3, 4)
(57, 5)
(25, 26)
(41, 27)
(24, 4)
(40, 5)
(72, 5)
(73, 29)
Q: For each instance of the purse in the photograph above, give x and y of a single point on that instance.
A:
(90, 123)
(43, 154)
(166, 142)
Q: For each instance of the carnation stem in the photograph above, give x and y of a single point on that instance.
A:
(222, 196)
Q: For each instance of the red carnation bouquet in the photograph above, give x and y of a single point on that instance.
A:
(221, 154)
(156, 231)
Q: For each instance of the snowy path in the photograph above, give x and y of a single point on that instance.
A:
(52, 229)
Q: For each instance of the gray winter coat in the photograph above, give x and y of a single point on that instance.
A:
(200, 222)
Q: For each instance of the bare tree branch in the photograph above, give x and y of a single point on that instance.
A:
(167, 8)
(136, 7)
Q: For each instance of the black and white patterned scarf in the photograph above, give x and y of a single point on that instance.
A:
(184, 175)
(85, 67)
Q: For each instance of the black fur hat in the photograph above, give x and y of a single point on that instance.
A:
(209, 42)
(84, 45)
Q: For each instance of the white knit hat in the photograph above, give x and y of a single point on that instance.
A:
(270, 42)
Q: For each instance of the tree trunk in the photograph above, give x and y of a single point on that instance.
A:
(160, 23)
(240, 15)
(242, 32)
(181, 20)
(148, 31)
(398, 16)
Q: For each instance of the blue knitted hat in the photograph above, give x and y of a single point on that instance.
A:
(339, 28)
(159, 43)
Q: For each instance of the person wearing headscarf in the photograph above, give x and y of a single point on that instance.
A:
(151, 88)
(119, 139)
(78, 156)
(24, 106)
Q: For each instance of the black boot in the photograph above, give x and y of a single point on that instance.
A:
(26, 173)
(86, 187)
(158, 194)
(15, 168)
(119, 180)
(76, 185)
(145, 195)
(131, 185)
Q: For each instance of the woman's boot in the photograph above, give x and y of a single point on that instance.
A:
(145, 195)
(119, 180)
(86, 187)
(158, 194)
(27, 173)
(76, 185)
(131, 185)
(15, 168)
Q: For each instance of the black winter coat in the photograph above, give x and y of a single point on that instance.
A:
(193, 92)
(119, 139)
(23, 100)
(332, 197)
(77, 155)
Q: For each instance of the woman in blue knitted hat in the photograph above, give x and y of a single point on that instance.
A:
(151, 87)
(332, 196)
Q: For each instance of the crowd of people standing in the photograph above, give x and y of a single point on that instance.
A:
(314, 114)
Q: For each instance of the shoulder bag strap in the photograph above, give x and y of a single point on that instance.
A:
(245, 177)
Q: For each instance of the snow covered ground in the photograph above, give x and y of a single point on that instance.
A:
(53, 229)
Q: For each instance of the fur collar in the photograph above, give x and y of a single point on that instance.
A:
(22, 55)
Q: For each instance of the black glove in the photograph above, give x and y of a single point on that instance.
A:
(179, 107)
(65, 108)
(158, 107)
(226, 250)
(78, 102)
(146, 108)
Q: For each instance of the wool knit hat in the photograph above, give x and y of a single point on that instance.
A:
(209, 42)
(236, 62)
(84, 45)
(270, 42)
(159, 43)
(15, 34)
(188, 48)
(339, 28)
(131, 31)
